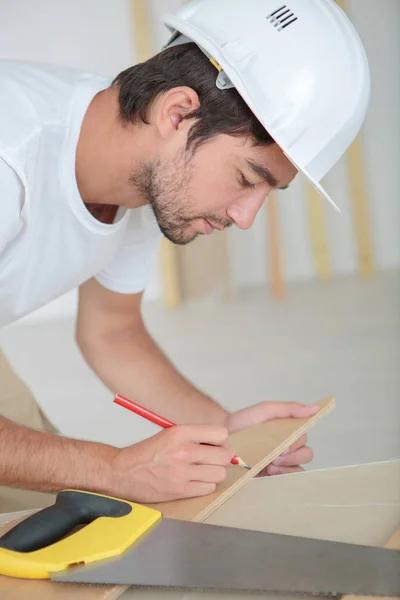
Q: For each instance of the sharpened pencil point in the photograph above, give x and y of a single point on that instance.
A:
(241, 463)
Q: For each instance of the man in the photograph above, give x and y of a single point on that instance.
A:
(91, 171)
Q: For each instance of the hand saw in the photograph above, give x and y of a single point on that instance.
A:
(120, 542)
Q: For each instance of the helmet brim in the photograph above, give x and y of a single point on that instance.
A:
(315, 184)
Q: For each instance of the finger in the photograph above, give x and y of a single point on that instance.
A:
(202, 434)
(262, 473)
(199, 488)
(208, 455)
(229, 448)
(302, 441)
(207, 473)
(274, 470)
(301, 456)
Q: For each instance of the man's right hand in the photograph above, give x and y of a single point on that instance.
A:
(180, 462)
(172, 464)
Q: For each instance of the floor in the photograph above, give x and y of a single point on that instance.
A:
(341, 339)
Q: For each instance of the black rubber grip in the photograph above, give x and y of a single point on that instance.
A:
(71, 509)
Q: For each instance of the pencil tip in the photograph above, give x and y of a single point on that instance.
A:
(236, 460)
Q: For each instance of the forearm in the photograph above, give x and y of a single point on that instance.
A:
(36, 460)
(133, 365)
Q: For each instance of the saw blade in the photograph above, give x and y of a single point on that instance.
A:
(179, 554)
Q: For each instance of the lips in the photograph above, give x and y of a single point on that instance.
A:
(218, 227)
(208, 227)
(215, 226)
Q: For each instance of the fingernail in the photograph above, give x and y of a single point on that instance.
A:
(278, 460)
(272, 470)
(286, 452)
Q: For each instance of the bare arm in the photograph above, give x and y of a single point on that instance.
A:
(36, 460)
(116, 344)
(114, 341)
(181, 462)
(172, 464)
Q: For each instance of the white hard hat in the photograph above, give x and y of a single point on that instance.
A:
(300, 67)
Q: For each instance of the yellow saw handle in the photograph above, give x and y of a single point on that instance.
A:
(37, 546)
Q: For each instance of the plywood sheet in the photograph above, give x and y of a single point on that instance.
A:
(358, 504)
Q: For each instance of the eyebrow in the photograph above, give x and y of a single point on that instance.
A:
(265, 173)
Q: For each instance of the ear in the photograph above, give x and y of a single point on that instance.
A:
(170, 109)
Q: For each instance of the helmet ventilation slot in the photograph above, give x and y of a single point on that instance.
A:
(281, 18)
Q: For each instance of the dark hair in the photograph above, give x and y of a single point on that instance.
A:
(220, 111)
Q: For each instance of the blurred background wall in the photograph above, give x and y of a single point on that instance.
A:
(302, 305)
(100, 36)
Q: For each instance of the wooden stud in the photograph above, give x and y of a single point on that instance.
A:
(169, 259)
(318, 233)
(143, 39)
(342, 4)
(356, 174)
(274, 251)
(170, 271)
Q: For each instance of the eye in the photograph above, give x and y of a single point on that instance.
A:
(246, 183)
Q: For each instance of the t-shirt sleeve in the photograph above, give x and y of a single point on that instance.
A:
(11, 200)
(134, 263)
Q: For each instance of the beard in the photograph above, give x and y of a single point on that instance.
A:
(166, 187)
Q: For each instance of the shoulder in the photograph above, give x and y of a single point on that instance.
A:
(34, 95)
(41, 78)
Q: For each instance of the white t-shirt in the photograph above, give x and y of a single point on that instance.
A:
(49, 242)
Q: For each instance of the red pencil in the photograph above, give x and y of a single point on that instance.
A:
(161, 421)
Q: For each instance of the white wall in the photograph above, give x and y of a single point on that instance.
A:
(88, 34)
(381, 34)
(97, 35)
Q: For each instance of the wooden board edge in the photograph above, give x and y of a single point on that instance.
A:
(115, 592)
(204, 514)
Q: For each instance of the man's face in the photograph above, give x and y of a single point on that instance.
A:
(223, 183)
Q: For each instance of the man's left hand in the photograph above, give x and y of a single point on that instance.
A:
(298, 453)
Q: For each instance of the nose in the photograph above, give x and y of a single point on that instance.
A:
(244, 213)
